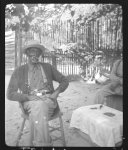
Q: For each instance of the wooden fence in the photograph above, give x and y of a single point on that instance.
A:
(68, 64)
(9, 50)
(103, 34)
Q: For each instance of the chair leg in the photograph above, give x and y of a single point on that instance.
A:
(31, 136)
(62, 131)
(20, 132)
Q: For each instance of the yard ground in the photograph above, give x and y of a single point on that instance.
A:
(76, 95)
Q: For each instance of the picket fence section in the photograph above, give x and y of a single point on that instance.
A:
(104, 33)
(68, 64)
(9, 50)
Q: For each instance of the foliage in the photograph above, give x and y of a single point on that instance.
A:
(82, 15)
(17, 17)
(46, 18)
(84, 57)
(39, 14)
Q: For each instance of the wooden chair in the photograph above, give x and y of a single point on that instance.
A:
(115, 101)
(57, 115)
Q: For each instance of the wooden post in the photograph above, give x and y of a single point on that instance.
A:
(72, 30)
(20, 46)
(54, 60)
(72, 64)
(16, 49)
(40, 35)
(67, 31)
(92, 33)
(97, 43)
(116, 35)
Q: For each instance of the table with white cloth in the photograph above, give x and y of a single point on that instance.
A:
(104, 125)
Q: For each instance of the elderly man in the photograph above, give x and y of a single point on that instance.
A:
(39, 99)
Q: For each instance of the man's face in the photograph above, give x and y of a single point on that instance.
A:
(33, 55)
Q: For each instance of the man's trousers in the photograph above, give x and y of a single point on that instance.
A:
(39, 114)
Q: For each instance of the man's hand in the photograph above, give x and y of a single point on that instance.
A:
(54, 95)
(117, 80)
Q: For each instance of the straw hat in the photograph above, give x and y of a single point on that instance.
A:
(35, 44)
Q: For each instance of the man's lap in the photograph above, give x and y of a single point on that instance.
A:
(106, 90)
(45, 103)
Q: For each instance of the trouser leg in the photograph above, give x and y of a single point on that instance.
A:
(39, 112)
(31, 138)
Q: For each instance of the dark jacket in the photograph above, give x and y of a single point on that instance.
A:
(19, 79)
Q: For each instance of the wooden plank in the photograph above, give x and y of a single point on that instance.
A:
(9, 44)
(10, 50)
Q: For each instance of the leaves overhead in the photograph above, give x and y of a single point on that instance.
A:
(17, 17)
(36, 16)
(82, 13)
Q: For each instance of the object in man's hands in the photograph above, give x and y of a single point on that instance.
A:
(109, 114)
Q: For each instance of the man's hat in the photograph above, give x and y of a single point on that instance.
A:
(35, 44)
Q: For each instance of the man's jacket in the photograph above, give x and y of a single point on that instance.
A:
(19, 80)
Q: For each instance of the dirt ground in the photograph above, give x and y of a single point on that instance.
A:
(78, 94)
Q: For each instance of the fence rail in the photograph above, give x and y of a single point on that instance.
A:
(68, 64)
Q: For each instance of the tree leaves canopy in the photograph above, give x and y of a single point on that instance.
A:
(39, 13)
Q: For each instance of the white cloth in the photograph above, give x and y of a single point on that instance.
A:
(103, 130)
(101, 79)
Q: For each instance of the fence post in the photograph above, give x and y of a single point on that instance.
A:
(54, 60)
(16, 49)
(97, 34)
(72, 64)
(72, 30)
(19, 46)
